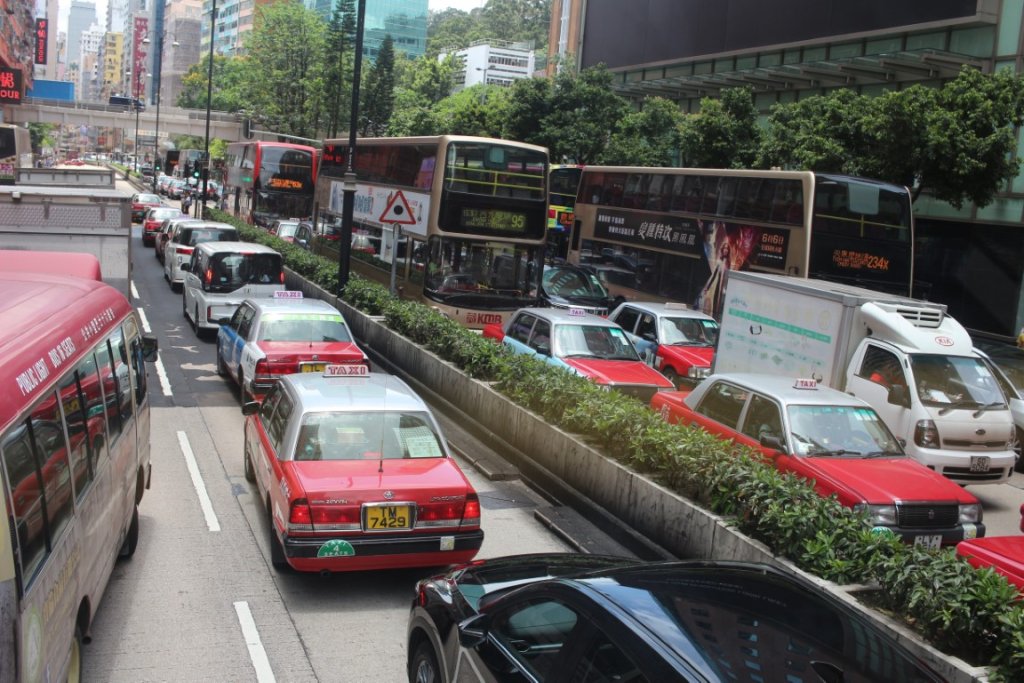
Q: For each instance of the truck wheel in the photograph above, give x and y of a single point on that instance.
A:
(671, 376)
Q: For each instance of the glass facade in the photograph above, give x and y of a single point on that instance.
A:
(404, 20)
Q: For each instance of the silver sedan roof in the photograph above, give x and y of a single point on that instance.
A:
(785, 390)
(570, 316)
(274, 305)
(665, 309)
(375, 392)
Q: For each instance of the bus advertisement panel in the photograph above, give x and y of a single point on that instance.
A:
(471, 213)
(74, 456)
(673, 234)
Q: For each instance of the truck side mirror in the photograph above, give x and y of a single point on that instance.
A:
(899, 395)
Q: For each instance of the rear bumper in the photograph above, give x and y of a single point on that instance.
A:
(377, 552)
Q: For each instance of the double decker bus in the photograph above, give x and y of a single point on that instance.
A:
(270, 180)
(74, 454)
(460, 220)
(564, 183)
(674, 233)
(15, 151)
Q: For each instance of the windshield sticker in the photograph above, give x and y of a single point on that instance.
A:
(422, 447)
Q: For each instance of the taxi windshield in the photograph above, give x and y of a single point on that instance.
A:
(369, 435)
(686, 331)
(304, 328)
(593, 341)
(823, 430)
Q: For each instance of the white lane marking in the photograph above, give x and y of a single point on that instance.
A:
(145, 321)
(197, 482)
(135, 292)
(161, 374)
(264, 674)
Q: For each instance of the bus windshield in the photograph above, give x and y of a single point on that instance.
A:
(495, 171)
(469, 269)
(858, 208)
(282, 168)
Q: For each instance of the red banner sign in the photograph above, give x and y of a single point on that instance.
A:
(42, 34)
(12, 86)
(139, 56)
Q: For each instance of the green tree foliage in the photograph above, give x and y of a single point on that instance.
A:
(472, 111)
(512, 20)
(582, 114)
(286, 68)
(527, 105)
(724, 134)
(42, 135)
(338, 63)
(451, 29)
(420, 84)
(648, 137)
(230, 84)
(378, 93)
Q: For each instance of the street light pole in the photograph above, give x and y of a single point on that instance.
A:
(135, 103)
(209, 102)
(349, 182)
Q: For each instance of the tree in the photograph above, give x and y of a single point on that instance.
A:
(581, 116)
(286, 69)
(724, 134)
(518, 21)
(470, 112)
(42, 135)
(820, 133)
(229, 84)
(648, 137)
(524, 110)
(338, 64)
(379, 92)
(421, 84)
(452, 29)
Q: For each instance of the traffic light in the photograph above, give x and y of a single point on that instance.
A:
(247, 128)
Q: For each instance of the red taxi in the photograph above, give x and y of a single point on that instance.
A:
(674, 339)
(839, 443)
(267, 338)
(1005, 554)
(356, 475)
(152, 221)
(583, 343)
(143, 202)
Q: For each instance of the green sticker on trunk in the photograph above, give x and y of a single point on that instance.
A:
(336, 548)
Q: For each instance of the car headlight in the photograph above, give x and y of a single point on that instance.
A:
(880, 515)
(970, 514)
(699, 372)
(926, 434)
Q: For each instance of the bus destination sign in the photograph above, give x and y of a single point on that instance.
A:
(495, 220)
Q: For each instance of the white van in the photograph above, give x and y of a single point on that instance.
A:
(222, 274)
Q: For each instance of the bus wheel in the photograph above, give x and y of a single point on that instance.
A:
(75, 665)
(131, 541)
(277, 557)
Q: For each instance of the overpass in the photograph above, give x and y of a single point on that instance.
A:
(173, 120)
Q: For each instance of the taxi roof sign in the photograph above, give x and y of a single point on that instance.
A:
(354, 370)
(288, 294)
(806, 383)
(576, 310)
(676, 306)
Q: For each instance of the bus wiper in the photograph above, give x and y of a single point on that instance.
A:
(987, 406)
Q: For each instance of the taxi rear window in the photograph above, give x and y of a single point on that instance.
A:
(304, 328)
(367, 436)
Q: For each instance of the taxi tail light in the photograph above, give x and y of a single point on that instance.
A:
(185, 251)
(281, 277)
(442, 514)
(336, 517)
(208, 277)
(262, 375)
(471, 514)
(300, 517)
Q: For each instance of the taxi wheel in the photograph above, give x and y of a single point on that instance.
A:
(671, 376)
(1018, 439)
(222, 370)
(243, 393)
(277, 558)
(423, 666)
(250, 473)
(184, 311)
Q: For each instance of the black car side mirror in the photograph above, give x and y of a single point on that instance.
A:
(149, 347)
(473, 631)
(250, 408)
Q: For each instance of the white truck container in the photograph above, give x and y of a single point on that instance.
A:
(93, 220)
(908, 359)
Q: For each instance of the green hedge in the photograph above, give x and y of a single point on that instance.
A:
(973, 614)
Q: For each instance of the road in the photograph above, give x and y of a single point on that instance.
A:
(199, 601)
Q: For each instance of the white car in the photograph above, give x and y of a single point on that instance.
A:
(183, 240)
(221, 275)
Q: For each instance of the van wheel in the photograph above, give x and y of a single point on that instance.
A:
(131, 541)
(671, 376)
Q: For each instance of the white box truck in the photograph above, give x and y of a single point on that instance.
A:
(93, 220)
(913, 364)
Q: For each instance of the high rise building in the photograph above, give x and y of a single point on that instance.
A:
(404, 20)
(91, 66)
(80, 19)
(494, 62)
(971, 259)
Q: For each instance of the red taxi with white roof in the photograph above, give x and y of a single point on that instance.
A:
(356, 475)
(838, 442)
(267, 338)
(1005, 554)
(583, 343)
(674, 339)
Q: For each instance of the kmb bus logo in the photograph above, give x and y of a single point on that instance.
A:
(11, 85)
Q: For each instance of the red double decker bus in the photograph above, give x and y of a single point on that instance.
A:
(270, 180)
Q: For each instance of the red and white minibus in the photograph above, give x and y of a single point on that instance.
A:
(74, 454)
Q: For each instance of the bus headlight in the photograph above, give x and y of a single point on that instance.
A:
(926, 434)
(879, 515)
(970, 514)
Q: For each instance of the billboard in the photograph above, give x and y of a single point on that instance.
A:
(622, 34)
(141, 25)
(12, 85)
(42, 34)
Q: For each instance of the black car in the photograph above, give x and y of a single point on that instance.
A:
(565, 286)
(591, 618)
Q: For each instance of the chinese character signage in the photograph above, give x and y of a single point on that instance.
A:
(12, 87)
(42, 34)
(139, 55)
(651, 230)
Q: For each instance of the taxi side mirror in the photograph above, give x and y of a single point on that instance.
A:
(772, 441)
(250, 408)
(542, 349)
(473, 631)
(649, 336)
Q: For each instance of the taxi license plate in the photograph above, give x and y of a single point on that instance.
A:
(930, 541)
(980, 463)
(312, 367)
(387, 517)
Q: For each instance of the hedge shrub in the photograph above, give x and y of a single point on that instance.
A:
(973, 614)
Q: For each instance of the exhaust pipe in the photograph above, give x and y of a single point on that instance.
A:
(325, 573)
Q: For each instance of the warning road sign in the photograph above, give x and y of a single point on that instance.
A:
(398, 211)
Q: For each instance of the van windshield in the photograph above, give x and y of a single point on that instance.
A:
(233, 270)
(955, 382)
